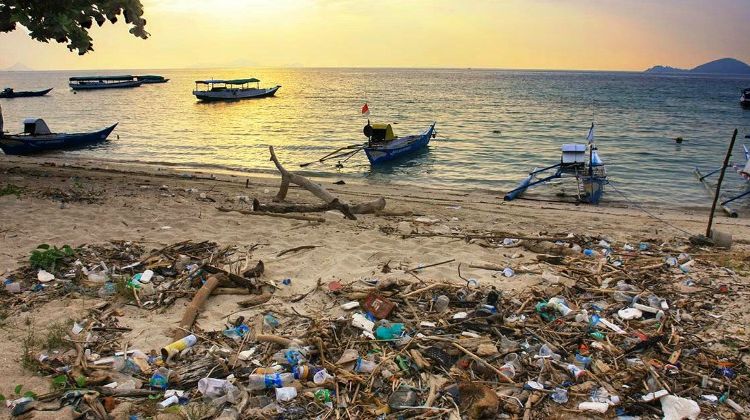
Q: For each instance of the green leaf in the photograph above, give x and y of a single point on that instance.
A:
(30, 394)
(18, 389)
(43, 246)
(60, 381)
(81, 381)
(2, 397)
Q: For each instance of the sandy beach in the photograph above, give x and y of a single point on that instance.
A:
(80, 202)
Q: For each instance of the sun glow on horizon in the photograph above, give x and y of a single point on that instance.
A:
(542, 34)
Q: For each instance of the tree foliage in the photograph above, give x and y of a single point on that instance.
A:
(69, 21)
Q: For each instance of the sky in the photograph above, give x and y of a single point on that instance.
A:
(509, 34)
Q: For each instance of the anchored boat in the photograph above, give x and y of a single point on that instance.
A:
(151, 79)
(10, 93)
(383, 145)
(745, 98)
(579, 161)
(37, 137)
(230, 90)
(103, 82)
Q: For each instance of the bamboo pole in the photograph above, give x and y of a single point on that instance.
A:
(718, 184)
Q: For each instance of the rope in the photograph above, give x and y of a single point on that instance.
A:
(641, 208)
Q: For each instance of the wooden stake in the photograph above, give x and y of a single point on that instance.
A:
(718, 184)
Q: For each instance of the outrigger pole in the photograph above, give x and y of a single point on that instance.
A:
(718, 184)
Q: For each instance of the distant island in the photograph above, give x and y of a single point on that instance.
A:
(727, 66)
(18, 67)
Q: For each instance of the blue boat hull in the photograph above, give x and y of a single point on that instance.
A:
(397, 148)
(24, 145)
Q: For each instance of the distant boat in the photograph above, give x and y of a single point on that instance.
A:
(745, 98)
(149, 79)
(229, 90)
(37, 137)
(10, 93)
(103, 82)
(383, 145)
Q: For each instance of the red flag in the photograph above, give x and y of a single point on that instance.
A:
(366, 110)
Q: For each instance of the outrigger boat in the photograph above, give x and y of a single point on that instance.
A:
(580, 161)
(151, 79)
(742, 169)
(230, 90)
(10, 93)
(37, 137)
(103, 82)
(381, 146)
(745, 98)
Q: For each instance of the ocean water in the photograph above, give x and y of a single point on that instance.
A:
(493, 126)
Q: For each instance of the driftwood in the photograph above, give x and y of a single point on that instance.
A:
(187, 376)
(196, 305)
(373, 207)
(330, 201)
(280, 215)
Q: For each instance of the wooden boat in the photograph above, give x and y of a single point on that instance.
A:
(10, 93)
(580, 161)
(37, 137)
(231, 90)
(151, 79)
(103, 82)
(745, 98)
(382, 145)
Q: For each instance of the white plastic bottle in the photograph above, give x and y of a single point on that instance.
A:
(267, 381)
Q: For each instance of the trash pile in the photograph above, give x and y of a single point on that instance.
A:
(633, 331)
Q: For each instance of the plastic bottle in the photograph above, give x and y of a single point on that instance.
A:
(160, 378)
(560, 395)
(364, 365)
(559, 304)
(169, 401)
(590, 252)
(270, 321)
(236, 333)
(575, 371)
(321, 377)
(274, 380)
(291, 356)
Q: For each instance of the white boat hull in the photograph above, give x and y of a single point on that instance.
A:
(234, 94)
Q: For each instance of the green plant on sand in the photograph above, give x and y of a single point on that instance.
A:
(47, 258)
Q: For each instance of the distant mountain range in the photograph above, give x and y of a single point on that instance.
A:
(723, 66)
(18, 67)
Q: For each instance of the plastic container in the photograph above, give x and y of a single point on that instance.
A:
(275, 380)
(169, 401)
(108, 289)
(560, 395)
(390, 332)
(594, 406)
(560, 306)
(441, 303)
(321, 377)
(286, 393)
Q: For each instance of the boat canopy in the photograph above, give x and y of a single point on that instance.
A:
(228, 82)
(98, 78)
(150, 77)
(573, 153)
(35, 127)
(382, 132)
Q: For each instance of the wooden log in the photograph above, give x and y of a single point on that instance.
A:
(372, 207)
(280, 215)
(196, 305)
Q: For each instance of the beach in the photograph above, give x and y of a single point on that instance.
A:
(83, 201)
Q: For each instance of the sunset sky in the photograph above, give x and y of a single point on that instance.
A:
(515, 34)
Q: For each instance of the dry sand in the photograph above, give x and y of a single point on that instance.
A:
(151, 205)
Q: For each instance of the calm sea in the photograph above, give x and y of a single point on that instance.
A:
(493, 126)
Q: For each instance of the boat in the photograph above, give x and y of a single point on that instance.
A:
(579, 161)
(10, 93)
(743, 171)
(382, 145)
(230, 90)
(103, 82)
(745, 98)
(151, 79)
(37, 137)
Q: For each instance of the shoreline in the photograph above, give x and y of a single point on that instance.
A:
(79, 203)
